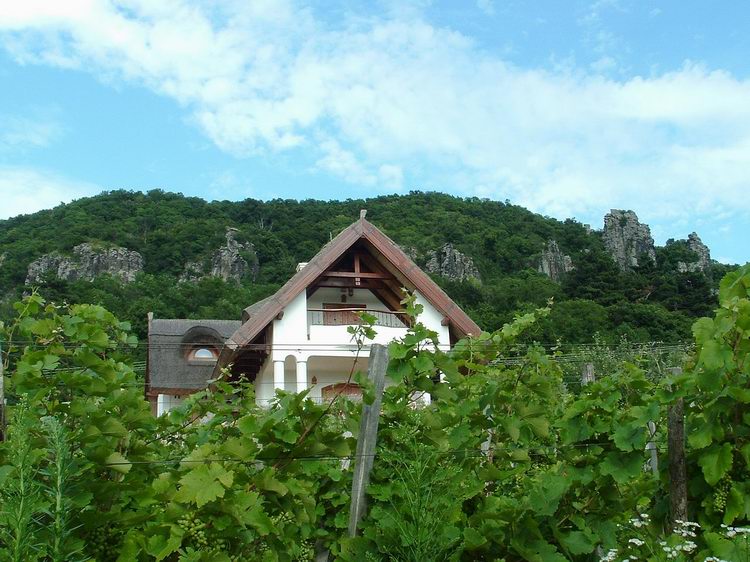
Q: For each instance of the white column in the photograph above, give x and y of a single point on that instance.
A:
(301, 376)
(278, 375)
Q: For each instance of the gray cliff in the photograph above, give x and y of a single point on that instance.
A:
(86, 263)
(627, 239)
(553, 263)
(451, 264)
(227, 262)
(702, 262)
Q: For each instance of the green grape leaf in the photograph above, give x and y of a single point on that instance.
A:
(473, 538)
(538, 551)
(259, 520)
(714, 355)
(629, 437)
(117, 462)
(745, 451)
(716, 462)
(622, 466)
(545, 496)
(735, 505)
(703, 330)
(204, 484)
(702, 436)
(577, 542)
(539, 425)
(512, 426)
(723, 548)
(160, 546)
(269, 483)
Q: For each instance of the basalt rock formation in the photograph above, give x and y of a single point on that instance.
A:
(87, 262)
(628, 241)
(702, 262)
(451, 264)
(233, 261)
(553, 263)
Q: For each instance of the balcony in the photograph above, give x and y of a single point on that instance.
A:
(350, 317)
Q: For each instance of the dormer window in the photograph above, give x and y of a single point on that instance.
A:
(204, 354)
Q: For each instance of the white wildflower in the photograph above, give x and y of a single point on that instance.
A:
(688, 546)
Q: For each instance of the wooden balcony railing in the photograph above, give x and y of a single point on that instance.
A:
(350, 317)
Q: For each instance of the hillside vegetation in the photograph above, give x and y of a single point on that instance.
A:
(652, 302)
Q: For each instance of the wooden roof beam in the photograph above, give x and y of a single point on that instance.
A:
(360, 274)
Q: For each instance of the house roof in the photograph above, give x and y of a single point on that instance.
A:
(169, 344)
(259, 316)
(180, 326)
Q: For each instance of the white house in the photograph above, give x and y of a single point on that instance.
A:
(297, 339)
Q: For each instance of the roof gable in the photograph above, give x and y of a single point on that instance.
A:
(258, 316)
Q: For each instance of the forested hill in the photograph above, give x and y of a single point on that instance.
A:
(180, 257)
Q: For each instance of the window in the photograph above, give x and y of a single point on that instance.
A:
(203, 354)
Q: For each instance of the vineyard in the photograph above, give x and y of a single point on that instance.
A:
(517, 457)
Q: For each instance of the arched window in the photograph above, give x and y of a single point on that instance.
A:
(204, 354)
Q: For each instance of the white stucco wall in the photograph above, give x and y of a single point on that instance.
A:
(328, 350)
(290, 333)
(165, 402)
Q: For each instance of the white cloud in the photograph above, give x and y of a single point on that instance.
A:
(393, 100)
(25, 190)
(21, 132)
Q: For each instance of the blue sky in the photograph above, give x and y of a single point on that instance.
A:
(569, 108)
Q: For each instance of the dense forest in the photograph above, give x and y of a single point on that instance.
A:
(651, 302)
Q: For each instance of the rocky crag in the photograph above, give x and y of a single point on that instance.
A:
(228, 262)
(451, 264)
(87, 262)
(553, 263)
(627, 239)
(702, 262)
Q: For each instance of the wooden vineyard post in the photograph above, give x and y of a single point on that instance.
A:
(368, 434)
(2, 397)
(587, 374)
(651, 448)
(676, 454)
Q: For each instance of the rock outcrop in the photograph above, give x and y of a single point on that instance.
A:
(627, 239)
(702, 262)
(227, 262)
(411, 252)
(86, 263)
(451, 264)
(553, 263)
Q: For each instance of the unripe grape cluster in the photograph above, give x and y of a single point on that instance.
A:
(195, 530)
(102, 544)
(721, 492)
